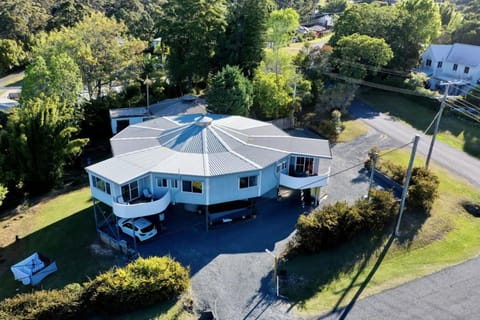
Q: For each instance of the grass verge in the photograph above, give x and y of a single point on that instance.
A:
(353, 130)
(330, 280)
(419, 112)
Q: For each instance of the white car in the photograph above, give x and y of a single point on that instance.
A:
(144, 229)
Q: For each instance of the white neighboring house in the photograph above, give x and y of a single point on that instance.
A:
(201, 160)
(457, 62)
(123, 117)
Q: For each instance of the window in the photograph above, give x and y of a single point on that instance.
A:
(192, 186)
(439, 64)
(466, 70)
(247, 182)
(174, 183)
(428, 63)
(101, 184)
(162, 182)
(130, 191)
(455, 66)
(281, 166)
(304, 164)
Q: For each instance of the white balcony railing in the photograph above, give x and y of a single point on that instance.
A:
(306, 182)
(140, 209)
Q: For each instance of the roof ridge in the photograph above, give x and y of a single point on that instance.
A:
(229, 149)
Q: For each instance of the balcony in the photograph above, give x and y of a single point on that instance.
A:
(304, 182)
(142, 207)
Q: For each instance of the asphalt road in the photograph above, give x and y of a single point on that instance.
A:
(457, 162)
(452, 293)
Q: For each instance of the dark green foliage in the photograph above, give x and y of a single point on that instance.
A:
(230, 93)
(379, 211)
(423, 189)
(191, 29)
(326, 129)
(62, 304)
(143, 282)
(327, 227)
(244, 39)
(338, 223)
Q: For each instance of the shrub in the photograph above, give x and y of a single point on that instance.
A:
(395, 171)
(141, 283)
(62, 304)
(377, 212)
(337, 223)
(327, 227)
(423, 189)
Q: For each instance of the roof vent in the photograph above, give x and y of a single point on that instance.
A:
(203, 121)
(188, 98)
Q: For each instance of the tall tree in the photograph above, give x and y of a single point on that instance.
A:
(230, 92)
(281, 28)
(244, 40)
(58, 76)
(191, 29)
(272, 98)
(100, 47)
(355, 55)
(40, 141)
(421, 26)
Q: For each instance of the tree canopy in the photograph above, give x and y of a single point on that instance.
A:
(191, 30)
(406, 26)
(40, 141)
(99, 46)
(357, 54)
(230, 92)
(243, 43)
(59, 77)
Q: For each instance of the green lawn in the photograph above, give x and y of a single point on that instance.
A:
(294, 48)
(324, 282)
(62, 228)
(353, 130)
(419, 112)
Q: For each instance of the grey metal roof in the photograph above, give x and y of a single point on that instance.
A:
(201, 145)
(129, 112)
(464, 54)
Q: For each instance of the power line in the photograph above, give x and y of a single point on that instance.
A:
(378, 85)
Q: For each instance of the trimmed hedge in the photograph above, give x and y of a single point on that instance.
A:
(62, 304)
(340, 222)
(141, 283)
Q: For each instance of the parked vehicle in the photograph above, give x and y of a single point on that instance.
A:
(144, 229)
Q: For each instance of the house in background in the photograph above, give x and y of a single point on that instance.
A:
(123, 117)
(458, 63)
(201, 160)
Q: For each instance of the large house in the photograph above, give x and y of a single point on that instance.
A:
(457, 63)
(201, 160)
